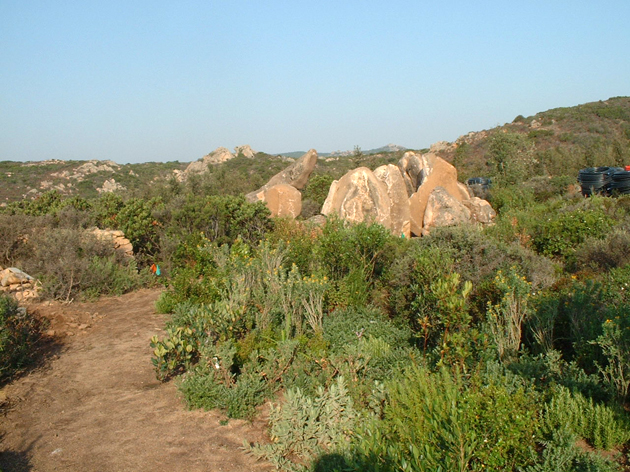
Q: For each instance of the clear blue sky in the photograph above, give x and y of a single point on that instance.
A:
(137, 81)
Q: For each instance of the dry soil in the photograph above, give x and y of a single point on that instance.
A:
(95, 404)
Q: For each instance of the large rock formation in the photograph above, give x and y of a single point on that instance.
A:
(283, 200)
(421, 193)
(296, 175)
(244, 150)
(359, 196)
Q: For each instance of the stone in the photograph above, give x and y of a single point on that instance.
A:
(400, 214)
(481, 211)
(296, 175)
(434, 172)
(317, 220)
(444, 210)
(116, 238)
(283, 200)
(359, 197)
(12, 276)
(410, 167)
(110, 185)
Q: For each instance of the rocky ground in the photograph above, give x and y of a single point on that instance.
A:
(95, 404)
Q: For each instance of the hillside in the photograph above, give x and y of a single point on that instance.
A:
(558, 142)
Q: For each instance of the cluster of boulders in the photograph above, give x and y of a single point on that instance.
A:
(18, 283)
(420, 193)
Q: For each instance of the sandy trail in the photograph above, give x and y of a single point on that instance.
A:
(96, 405)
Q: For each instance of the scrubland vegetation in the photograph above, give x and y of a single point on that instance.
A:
(505, 348)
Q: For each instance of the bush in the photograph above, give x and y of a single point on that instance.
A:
(434, 421)
(560, 235)
(603, 427)
(347, 326)
(19, 332)
(72, 263)
(304, 427)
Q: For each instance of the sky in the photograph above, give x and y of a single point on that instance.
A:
(140, 81)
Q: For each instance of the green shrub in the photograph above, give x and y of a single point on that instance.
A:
(19, 332)
(434, 421)
(347, 326)
(560, 454)
(603, 427)
(560, 235)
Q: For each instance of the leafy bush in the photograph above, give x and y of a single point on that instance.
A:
(71, 263)
(559, 236)
(434, 422)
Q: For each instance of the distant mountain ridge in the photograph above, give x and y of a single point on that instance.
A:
(388, 148)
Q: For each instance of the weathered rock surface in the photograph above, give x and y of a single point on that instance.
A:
(410, 166)
(296, 175)
(359, 196)
(14, 276)
(400, 215)
(422, 192)
(283, 200)
(481, 211)
(116, 238)
(218, 156)
(444, 210)
(436, 172)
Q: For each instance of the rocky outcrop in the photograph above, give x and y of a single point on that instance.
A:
(110, 185)
(296, 175)
(13, 276)
(283, 200)
(400, 215)
(218, 156)
(421, 193)
(244, 150)
(359, 196)
(116, 238)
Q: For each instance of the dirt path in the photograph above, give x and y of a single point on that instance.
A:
(96, 405)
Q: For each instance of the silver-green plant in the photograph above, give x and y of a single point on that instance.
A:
(304, 427)
(505, 319)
